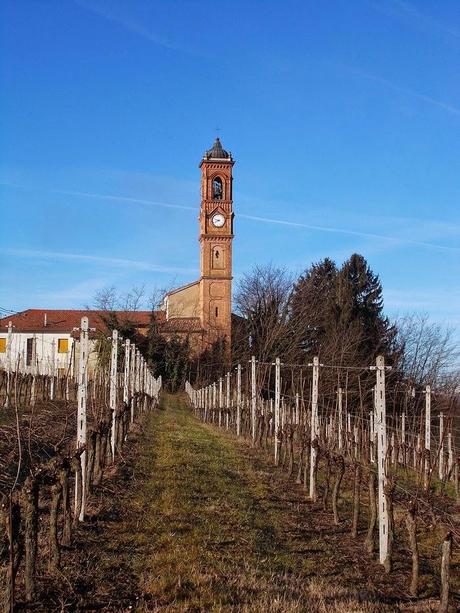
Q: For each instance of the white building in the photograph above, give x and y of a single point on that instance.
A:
(52, 335)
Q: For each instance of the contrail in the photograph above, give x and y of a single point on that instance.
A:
(450, 108)
(81, 257)
(167, 205)
(350, 232)
(270, 220)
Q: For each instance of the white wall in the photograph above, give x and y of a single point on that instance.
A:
(46, 348)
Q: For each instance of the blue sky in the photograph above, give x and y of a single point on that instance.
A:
(343, 118)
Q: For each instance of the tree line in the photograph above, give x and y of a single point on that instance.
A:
(336, 313)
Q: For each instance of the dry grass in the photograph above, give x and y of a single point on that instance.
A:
(206, 530)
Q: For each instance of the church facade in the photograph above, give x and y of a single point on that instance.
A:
(208, 301)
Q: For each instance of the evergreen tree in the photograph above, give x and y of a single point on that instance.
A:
(357, 313)
(338, 314)
(311, 304)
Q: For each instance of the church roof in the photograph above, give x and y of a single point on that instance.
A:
(65, 320)
(182, 287)
(218, 152)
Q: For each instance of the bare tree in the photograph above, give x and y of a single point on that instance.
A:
(132, 300)
(430, 353)
(105, 299)
(156, 298)
(110, 299)
(263, 300)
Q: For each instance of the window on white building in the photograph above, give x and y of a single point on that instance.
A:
(29, 350)
(63, 345)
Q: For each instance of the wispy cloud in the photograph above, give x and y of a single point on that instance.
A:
(96, 259)
(76, 293)
(109, 197)
(132, 25)
(439, 299)
(406, 9)
(282, 222)
(393, 239)
(167, 205)
(445, 106)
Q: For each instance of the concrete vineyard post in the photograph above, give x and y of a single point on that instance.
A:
(277, 403)
(221, 401)
(132, 371)
(33, 369)
(126, 372)
(403, 439)
(227, 389)
(238, 400)
(340, 416)
(81, 410)
(253, 397)
(9, 343)
(428, 418)
(314, 425)
(380, 405)
(450, 455)
(441, 446)
(113, 389)
(52, 368)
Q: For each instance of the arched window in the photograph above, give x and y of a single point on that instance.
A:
(217, 188)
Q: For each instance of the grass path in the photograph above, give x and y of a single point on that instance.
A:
(206, 525)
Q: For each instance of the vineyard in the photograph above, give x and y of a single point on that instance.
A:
(370, 460)
(379, 454)
(61, 436)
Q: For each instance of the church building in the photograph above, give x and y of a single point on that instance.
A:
(200, 310)
(208, 301)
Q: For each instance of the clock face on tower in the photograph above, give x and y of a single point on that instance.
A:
(218, 220)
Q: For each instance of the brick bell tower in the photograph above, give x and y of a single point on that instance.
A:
(216, 236)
